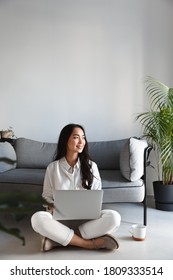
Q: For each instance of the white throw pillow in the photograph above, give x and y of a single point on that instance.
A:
(132, 159)
(7, 157)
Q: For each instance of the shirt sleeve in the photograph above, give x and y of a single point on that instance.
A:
(47, 186)
(97, 184)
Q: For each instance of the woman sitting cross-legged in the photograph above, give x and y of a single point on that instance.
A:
(74, 170)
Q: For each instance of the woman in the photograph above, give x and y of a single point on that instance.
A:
(73, 169)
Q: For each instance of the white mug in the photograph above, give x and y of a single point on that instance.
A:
(138, 232)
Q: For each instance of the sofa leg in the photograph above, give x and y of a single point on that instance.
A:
(145, 211)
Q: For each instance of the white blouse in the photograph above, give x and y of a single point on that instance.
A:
(61, 176)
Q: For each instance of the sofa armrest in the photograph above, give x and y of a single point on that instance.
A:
(146, 164)
(146, 160)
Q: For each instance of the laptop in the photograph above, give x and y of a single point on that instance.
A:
(77, 204)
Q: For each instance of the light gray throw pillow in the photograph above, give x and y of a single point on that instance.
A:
(132, 159)
(7, 157)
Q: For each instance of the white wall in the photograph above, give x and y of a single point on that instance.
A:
(158, 36)
(81, 61)
(71, 61)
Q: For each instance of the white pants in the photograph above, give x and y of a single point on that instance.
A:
(44, 224)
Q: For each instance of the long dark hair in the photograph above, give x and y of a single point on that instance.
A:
(87, 176)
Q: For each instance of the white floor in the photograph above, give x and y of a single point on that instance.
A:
(157, 246)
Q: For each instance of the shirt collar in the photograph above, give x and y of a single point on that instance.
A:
(66, 165)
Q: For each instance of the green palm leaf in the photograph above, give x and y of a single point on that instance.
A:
(19, 204)
(157, 124)
(13, 231)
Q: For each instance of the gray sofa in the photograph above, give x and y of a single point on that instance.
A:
(122, 164)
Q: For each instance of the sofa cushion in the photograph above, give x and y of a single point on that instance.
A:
(132, 159)
(106, 154)
(113, 179)
(34, 154)
(118, 189)
(23, 176)
(7, 157)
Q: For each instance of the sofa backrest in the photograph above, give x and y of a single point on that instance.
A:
(106, 153)
(34, 154)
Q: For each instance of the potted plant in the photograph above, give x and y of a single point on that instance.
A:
(7, 133)
(157, 125)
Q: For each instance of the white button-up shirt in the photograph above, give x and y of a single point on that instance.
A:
(61, 176)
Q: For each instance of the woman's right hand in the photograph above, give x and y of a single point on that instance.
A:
(51, 208)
